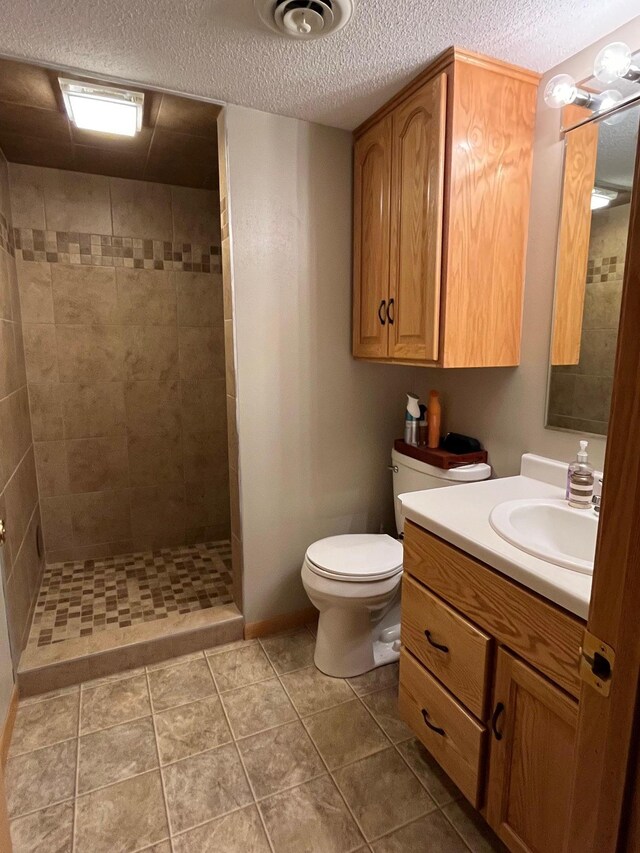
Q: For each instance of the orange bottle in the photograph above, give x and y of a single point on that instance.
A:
(434, 415)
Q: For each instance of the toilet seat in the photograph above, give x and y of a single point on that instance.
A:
(356, 558)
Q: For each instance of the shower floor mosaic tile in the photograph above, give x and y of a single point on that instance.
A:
(244, 748)
(77, 599)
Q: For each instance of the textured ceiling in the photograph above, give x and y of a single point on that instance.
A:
(218, 49)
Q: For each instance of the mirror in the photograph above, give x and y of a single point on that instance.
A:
(594, 223)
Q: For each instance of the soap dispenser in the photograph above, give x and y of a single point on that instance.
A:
(580, 480)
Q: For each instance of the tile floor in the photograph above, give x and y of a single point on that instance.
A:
(78, 599)
(245, 748)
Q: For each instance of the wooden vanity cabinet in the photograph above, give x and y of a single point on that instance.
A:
(489, 682)
(442, 179)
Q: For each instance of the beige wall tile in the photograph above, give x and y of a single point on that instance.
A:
(196, 216)
(27, 196)
(84, 294)
(234, 504)
(208, 501)
(201, 352)
(56, 522)
(25, 578)
(92, 409)
(36, 302)
(46, 411)
(203, 405)
(152, 407)
(7, 265)
(158, 516)
(155, 459)
(141, 209)
(146, 297)
(15, 432)
(11, 358)
(89, 353)
(20, 499)
(76, 201)
(229, 358)
(97, 464)
(199, 299)
(51, 465)
(5, 200)
(204, 454)
(40, 352)
(100, 517)
(150, 352)
(232, 433)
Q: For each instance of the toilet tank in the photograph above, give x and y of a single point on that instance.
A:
(411, 475)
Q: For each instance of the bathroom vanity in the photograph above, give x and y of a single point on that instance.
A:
(489, 669)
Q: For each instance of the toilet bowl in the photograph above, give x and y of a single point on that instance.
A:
(354, 579)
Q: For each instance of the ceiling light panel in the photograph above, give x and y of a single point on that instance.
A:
(102, 108)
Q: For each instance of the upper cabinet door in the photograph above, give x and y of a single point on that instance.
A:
(416, 223)
(372, 186)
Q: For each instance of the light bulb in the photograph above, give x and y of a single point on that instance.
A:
(608, 99)
(613, 62)
(560, 91)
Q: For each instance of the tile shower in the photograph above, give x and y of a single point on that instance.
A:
(122, 317)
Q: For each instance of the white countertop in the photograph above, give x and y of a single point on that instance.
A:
(460, 515)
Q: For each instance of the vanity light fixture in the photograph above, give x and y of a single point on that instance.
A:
(602, 198)
(91, 106)
(615, 62)
(562, 90)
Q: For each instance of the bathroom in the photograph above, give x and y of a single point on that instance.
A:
(213, 729)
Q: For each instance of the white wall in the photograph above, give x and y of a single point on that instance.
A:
(315, 426)
(505, 408)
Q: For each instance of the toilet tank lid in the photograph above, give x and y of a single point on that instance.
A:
(463, 474)
(357, 555)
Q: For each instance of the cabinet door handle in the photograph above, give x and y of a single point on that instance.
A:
(499, 709)
(435, 645)
(436, 729)
(381, 314)
(390, 315)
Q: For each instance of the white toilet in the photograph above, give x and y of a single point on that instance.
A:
(354, 579)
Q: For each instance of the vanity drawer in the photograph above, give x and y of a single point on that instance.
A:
(451, 734)
(451, 647)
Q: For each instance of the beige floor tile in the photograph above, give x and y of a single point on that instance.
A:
(384, 707)
(46, 831)
(39, 779)
(180, 684)
(113, 703)
(345, 733)
(227, 647)
(115, 676)
(204, 787)
(429, 834)
(163, 664)
(476, 833)
(51, 694)
(375, 679)
(432, 776)
(311, 818)
(239, 667)
(310, 690)
(238, 832)
(117, 753)
(126, 816)
(280, 758)
(45, 723)
(162, 847)
(189, 729)
(290, 651)
(257, 707)
(382, 793)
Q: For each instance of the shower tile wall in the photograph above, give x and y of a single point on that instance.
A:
(580, 394)
(124, 347)
(18, 488)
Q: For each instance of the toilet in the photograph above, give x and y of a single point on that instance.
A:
(354, 579)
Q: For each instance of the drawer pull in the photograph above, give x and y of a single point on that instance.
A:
(435, 645)
(436, 729)
(494, 720)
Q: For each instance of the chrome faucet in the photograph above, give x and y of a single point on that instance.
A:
(596, 500)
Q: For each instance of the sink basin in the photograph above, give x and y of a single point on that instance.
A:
(550, 530)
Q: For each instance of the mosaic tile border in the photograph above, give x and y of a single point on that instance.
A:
(6, 236)
(73, 247)
(605, 269)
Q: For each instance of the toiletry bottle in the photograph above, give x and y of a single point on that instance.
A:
(411, 418)
(423, 432)
(434, 415)
(580, 480)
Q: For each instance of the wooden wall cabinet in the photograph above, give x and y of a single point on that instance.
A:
(442, 179)
(489, 683)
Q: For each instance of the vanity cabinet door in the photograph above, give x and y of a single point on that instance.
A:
(372, 188)
(534, 727)
(416, 222)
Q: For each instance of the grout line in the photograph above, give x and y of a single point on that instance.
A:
(77, 778)
(157, 745)
(456, 830)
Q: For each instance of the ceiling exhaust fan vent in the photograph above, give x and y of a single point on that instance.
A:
(304, 19)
